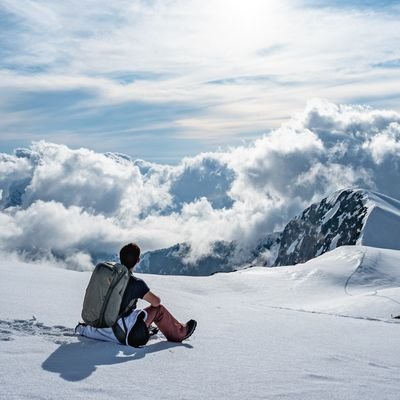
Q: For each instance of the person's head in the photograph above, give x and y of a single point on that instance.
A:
(130, 255)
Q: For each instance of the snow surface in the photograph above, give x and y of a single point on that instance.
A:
(382, 226)
(319, 330)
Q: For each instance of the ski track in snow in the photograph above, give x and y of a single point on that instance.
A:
(373, 262)
(360, 263)
(387, 321)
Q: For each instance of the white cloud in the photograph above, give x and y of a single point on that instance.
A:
(385, 143)
(95, 182)
(78, 205)
(14, 172)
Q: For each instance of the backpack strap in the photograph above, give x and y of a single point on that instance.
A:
(128, 308)
(120, 333)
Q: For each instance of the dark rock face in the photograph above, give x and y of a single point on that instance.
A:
(323, 226)
(266, 251)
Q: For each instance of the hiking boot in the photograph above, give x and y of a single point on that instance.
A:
(190, 328)
(153, 330)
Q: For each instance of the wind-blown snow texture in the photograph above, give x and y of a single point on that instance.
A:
(78, 206)
(319, 330)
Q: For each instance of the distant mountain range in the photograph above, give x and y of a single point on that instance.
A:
(348, 217)
(223, 256)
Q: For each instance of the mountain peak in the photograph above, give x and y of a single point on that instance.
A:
(347, 217)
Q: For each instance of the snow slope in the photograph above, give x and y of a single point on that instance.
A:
(382, 226)
(316, 330)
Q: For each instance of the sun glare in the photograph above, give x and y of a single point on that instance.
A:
(246, 24)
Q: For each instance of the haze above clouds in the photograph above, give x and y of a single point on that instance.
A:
(161, 80)
(79, 205)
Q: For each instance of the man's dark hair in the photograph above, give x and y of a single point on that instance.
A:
(129, 255)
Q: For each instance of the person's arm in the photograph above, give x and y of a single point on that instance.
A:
(152, 299)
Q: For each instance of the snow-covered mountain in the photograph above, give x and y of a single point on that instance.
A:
(322, 329)
(348, 217)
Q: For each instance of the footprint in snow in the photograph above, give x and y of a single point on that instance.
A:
(9, 329)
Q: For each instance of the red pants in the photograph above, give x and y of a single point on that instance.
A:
(173, 330)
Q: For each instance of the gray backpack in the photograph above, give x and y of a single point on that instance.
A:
(104, 294)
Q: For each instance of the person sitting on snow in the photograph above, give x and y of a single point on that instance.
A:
(132, 328)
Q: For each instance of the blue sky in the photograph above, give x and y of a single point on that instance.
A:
(161, 80)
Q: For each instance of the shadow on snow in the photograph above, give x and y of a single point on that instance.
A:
(78, 360)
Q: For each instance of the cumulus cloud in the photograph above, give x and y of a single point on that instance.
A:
(88, 180)
(385, 143)
(78, 206)
(15, 173)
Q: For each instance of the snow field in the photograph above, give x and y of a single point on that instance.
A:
(262, 333)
